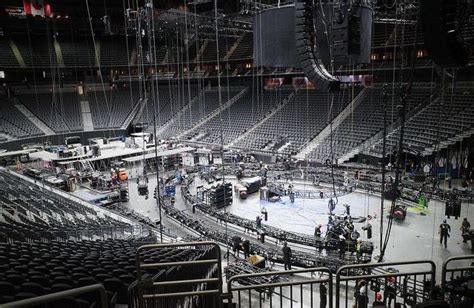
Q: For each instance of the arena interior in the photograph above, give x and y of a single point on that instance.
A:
(236, 153)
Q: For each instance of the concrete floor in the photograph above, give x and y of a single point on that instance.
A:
(414, 239)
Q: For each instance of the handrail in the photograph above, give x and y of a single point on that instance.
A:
(59, 295)
(328, 280)
(348, 268)
(143, 283)
(445, 268)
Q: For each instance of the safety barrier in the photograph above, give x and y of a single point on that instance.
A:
(64, 295)
(411, 281)
(179, 283)
(270, 290)
(456, 280)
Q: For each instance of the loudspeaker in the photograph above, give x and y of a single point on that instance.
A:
(308, 56)
(442, 35)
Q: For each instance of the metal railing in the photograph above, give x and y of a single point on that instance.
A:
(411, 281)
(269, 290)
(174, 284)
(54, 297)
(456, 274)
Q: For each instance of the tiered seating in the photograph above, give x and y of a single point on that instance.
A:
(55, 111)
(38, 256)
(113, 51)
(210, 52)
(78, 53)
(421, 130)
(38, 268)
(7, 58)
(70, 110)
(241, 116)
(245, 49)
(297, 122)
(14, 123)
(199, 109)
(365, 121)
(31, 214)
(39, 52)
(110, 109)
(170, 100)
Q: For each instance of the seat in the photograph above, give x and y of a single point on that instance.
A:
(59, 287)
(7, 288)
(32, 287)
(86, 281)
(43, 281)
(70, 303)
(127, 279)
(22, 295)
(114, 285)
(15, 279)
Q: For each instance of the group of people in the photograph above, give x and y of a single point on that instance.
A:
(239, 244)
(445, 232)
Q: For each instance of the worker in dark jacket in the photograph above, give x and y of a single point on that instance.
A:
(444, 230)
(342, 246)
(236, 240)
(323, 291)
(246, 248)
(286, 256)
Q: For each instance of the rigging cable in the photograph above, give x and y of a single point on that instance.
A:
(404, 96)
(220, 126)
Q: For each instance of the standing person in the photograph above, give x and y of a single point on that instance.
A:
(348, 209)
(246, 248)
(264, 213)
(444, 230)
(342, 246)
(331, 206)
(323, 291)
(368, 229)
(258, 222)
(236, 240)
(317, 231)
(362, 299)
(286, 256)
(292, 196)
(378, 301)
(465, 227)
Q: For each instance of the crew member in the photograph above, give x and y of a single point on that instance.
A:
(265, 213)
(444, 230)
(246, 248)
(368, 229)
(348, 209)
(465, 227)
(323, 291)
(286, 256)
(236, 240)
(359, 249)
(378, 301)
(331, 206)
(342, 246)
(317, 231)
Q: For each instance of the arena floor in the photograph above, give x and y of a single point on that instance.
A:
(414, 239)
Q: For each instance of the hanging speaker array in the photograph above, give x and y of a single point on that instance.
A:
(307, 50)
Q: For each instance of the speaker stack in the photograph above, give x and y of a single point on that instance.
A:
(220, 196)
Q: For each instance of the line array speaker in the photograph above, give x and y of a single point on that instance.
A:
(308, 55)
